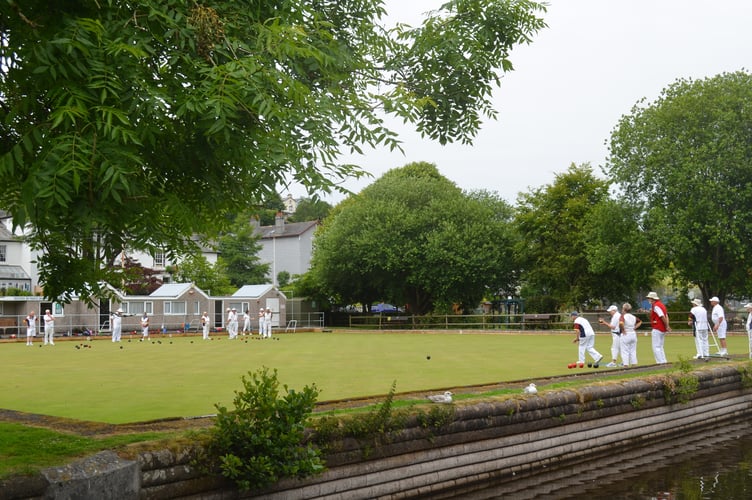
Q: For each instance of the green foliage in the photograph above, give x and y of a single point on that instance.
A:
(683, 162)
(412, 237)
(211, 278)
(262, 439)
(371, 429)
(13, 292)
(553, 244)
(680, 388)
(618, 251)
(437, 417)
(238, 249)
(539, 303)
(311, 209)
(138, 125)
(26, 449)
(283, 278)
(638, 402)
(267, 212)
(745, 371)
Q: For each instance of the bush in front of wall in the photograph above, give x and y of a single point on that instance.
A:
(262, 439)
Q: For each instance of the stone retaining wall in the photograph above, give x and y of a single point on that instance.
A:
(505, 440)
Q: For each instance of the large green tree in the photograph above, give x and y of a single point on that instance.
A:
(414, 238)
(618, 251)
(685, 162)
(137, 124)
(552, 246)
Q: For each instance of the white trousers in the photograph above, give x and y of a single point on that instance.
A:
(49, 335)
(659, 354)
(587, 344)
(628, 349)
(616, 346)
(701, 343)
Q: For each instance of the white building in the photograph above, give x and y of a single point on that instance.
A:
(284, 246)
(287, 246)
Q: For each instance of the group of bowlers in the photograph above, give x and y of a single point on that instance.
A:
(624, 325)
(265, 325)
(264, 320)
(49, 328)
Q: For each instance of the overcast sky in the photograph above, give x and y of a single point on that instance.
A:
(571, 85)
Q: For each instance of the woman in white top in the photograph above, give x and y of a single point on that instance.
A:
(628, 324)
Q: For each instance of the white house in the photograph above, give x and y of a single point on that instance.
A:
(287, 246)
(284, 246)
(15, 267)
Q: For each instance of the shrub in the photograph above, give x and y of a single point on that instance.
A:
(371, 429)
(262, 440)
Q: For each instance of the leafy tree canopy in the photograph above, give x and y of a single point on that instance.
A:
(238, 254)
(552, 245)
(268, 210)
(211, 278)
(311, 209)
(414, 238)
(138, 124)
(685, 162)
(618, 251)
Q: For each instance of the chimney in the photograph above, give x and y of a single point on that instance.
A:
(279, 222)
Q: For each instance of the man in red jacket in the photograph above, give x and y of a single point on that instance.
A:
(660, 325)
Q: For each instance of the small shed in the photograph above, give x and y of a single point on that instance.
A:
(253, 298)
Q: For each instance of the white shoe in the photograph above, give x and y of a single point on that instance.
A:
(611, 365)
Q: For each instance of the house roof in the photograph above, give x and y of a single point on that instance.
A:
(13, 272)
(287, 230)
(174, 290)
(253, 291)
(6, 235)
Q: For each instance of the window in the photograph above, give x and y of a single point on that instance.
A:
(139, 308)
(57, 309)
(3, 252)
(197, 308)
(238, 306)
(174, 308)
(159, 259)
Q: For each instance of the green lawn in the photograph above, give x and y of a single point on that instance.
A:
(135, 381)
(24, 449)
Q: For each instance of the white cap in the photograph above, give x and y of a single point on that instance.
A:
(654, 296)
(612, 308)
(714, 299)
